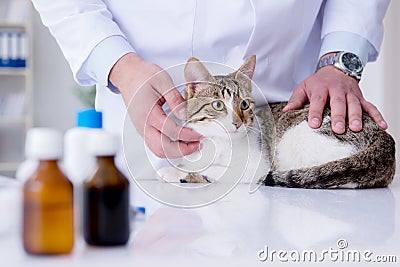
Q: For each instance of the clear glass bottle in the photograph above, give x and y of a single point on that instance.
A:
(48, 222)
(106, 197)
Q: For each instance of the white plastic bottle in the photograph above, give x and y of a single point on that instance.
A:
(78, 163)
(29, 166)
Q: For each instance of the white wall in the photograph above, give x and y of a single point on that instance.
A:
(381, 83)
(54, 99)
(391, 77)
(379, 79)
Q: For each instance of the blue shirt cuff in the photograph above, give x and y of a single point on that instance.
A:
(349, 42)
(103, 57)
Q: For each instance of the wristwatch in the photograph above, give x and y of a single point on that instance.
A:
(347, 62)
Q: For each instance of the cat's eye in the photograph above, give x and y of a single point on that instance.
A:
(218, 105)
(244, 104)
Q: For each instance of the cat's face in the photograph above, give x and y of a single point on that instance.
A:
(219, 105)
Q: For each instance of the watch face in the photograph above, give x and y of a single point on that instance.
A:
(352, 62)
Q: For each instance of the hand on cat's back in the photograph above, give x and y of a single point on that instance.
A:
(145, 87)
(344, 96)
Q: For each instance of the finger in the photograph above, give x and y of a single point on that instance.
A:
(172, 149)
(152, 138)
(374, 113)
(174, 99)
(354, 113)
(317, 105)
(298, 98)
(338, 112)
(168, 127)
(163, 147)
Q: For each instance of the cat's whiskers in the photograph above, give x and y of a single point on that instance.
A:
(252, 129)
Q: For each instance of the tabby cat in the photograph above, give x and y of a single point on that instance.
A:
(274, 148)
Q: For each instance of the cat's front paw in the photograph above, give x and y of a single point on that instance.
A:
(171, 175)
(196, 178)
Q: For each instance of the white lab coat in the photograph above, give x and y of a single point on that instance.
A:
(286, 36)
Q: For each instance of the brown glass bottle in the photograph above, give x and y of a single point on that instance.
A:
(106, 205)
(48, 226)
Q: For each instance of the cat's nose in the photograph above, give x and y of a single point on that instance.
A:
(237, 123)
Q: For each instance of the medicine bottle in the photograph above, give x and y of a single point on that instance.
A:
(48, 224)
(105, 196)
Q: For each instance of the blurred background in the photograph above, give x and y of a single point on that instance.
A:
(37, 88)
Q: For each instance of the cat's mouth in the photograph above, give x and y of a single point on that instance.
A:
(236, 131)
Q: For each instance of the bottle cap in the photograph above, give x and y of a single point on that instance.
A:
(44, 144)
(103, 143)
(89, 118)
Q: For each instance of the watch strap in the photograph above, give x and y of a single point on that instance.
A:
(329, 60)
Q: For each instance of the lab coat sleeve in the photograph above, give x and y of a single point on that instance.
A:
(79, 26)
(355, 26)
(346, 41)
(102, 58)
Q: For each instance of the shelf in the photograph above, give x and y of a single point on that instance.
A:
(12, 120)
(5, 25)
(15, 21)
(9, 166)
(13, 71)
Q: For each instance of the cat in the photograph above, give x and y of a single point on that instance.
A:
(271, 147)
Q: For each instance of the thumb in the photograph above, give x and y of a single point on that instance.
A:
(172, 96)
(298, 98)
(176, 103)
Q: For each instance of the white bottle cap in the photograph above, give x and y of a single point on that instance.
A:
(44, 144)
(103, 143)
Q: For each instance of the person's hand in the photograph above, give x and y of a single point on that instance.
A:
(145, 87)
(344, 96)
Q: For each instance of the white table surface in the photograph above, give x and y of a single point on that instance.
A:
(237, 227)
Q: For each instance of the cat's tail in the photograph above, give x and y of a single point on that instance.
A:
(373, 166)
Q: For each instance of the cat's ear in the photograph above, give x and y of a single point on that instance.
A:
(247, 69)
(197, 77)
